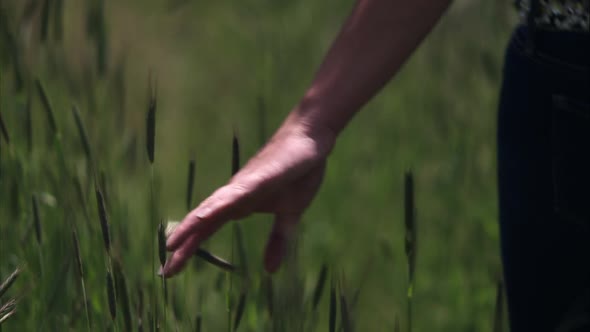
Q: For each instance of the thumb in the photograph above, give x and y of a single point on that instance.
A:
(283, 231)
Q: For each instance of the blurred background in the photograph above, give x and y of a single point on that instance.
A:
(219, 68)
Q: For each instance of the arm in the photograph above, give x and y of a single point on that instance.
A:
(284, 176)
(373, 44)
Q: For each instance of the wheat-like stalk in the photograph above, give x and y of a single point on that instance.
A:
(36, 219)
(80, 271)
(112, 299)
(104, 218)
(190, 184)
(47, 107)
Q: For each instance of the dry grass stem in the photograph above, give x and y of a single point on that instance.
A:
(9, 281)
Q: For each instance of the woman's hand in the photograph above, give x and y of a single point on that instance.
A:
(284, 176)
(282, 179)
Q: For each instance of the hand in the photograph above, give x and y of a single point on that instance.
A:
(282, 179)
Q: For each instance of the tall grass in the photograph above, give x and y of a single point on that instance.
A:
(245, 64)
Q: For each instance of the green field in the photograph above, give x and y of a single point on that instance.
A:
(239, 66)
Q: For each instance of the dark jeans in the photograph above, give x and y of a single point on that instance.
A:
(544, 181)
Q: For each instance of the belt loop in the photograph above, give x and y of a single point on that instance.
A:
(534, 11)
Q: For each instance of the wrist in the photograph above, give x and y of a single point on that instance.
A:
(304, 122)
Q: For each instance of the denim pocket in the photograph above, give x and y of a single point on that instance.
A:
(571, 158)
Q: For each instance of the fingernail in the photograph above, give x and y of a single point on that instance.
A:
(160, 271)
(166, 269)
(204, 213)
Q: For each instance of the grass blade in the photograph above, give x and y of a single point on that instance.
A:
(319, 287)
(199, 323)
(215, 260)
(3, 129)
(45, 20)
(83, 135)
(269, 294)
(241, 248)
(240, 310)
(123, 294)
(332, 319)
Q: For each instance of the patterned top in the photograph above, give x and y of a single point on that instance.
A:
(571, 15)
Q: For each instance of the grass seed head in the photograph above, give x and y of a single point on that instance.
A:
(190, 184)
(162, 243)
(151, 121)
(46, 106)
(235, 161)
(111, 295)
(29, 124)
(82, 133)
(410, 223)
(36, 218)
(103, 216)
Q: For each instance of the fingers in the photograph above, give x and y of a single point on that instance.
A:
(178, 260)
(211, 214)
(188, 248)
(278, 243)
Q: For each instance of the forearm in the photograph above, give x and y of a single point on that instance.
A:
(372, 45)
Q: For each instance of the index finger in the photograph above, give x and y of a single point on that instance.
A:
(209, 215)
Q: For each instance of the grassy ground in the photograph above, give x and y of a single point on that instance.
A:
(242, 65)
